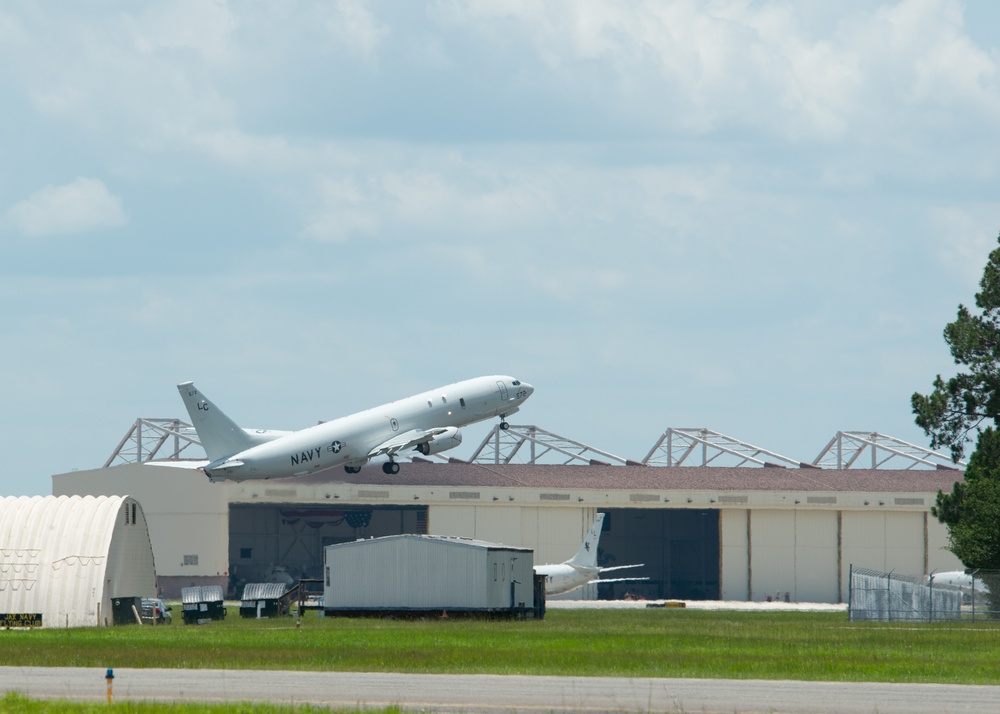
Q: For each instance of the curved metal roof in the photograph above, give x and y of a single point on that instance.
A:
(67, 556)
(264, 591)
(201, 593)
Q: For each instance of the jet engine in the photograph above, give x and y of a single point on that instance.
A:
(448, 439)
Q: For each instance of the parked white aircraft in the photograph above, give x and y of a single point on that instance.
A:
(582, 568)
(960, 579)
(427, 423)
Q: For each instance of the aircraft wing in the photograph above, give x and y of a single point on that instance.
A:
(406, 440)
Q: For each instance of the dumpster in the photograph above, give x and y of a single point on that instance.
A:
(264, 600)
(202, 603)
(123, 610)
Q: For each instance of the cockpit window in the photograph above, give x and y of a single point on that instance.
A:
(516, 383)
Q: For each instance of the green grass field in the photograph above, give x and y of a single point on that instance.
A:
(17, 704)
(619, 643)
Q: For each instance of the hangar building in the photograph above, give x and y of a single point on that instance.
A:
(763, 526)
(70, 558)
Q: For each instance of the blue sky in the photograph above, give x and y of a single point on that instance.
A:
(751, 216)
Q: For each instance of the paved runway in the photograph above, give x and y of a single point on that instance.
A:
(492, 694)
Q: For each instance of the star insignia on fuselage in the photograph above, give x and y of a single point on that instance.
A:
(335, 447)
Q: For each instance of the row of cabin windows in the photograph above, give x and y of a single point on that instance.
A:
(444, 400)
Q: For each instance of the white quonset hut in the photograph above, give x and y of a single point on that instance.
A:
(425, 573)
(69, 558)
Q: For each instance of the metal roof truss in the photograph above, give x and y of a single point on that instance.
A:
(846, 449)
(152, 438)
(704, 447)
(530, 444)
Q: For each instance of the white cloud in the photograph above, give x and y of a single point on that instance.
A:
(429, 195)
(265, 154)
(531, 202)
(967, 234)
(570, 284)
(84, 205)
(704, 66)
(354, 26)
(134, 74)
(204, 27)
(347, 212)
(164, 76)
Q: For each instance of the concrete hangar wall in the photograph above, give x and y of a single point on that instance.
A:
(702, 532)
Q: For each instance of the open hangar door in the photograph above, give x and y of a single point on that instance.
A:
(679, 547)
(284, 542)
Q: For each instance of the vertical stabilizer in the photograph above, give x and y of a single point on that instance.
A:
(587, 555)
(219, 435)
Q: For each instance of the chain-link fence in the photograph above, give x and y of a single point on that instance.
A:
(888, 597)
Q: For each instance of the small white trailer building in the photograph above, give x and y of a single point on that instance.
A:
(426, 573)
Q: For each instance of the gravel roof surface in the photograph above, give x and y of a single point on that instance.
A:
(648, 478)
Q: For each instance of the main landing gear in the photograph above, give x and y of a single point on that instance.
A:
(389, 467)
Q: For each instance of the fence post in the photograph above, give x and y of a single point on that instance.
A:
(974, 594)
(888, 596)
(930, 617)
(850, 592)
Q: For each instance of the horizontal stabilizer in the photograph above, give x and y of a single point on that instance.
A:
(192, 464)
(621, 567)
(224, 466)
(617, 580)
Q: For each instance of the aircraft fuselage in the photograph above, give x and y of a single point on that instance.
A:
(350, 440)
(562, 577)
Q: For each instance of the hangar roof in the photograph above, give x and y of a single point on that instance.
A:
(676, 478)
(449, 540)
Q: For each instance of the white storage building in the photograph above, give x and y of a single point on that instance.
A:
(414, 573)
(70, 558)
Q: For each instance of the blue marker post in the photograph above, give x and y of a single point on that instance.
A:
(109, 678)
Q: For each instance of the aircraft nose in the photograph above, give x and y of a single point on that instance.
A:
(528, 388)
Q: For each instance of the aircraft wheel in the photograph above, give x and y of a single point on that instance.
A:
(504, 425)
(390, 467)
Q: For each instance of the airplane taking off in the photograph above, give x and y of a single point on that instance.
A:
(427, 423)
(582, 568)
